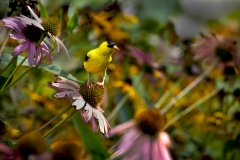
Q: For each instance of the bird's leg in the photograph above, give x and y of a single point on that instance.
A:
(89, 82)
(104, 76)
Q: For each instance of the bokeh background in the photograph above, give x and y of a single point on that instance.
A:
(157, 58)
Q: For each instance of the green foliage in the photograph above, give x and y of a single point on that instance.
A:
(72, 23)
(43, 11)
(91, 142)
(4, 7)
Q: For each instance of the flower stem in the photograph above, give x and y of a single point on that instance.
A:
(112, 115)
(14, 71)
(163, 98)
(5, 41)
(189, 87)
(57, 116)
(17, 79)
(190, 108)
(59, 123)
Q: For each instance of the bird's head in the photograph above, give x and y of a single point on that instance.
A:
(109, 46)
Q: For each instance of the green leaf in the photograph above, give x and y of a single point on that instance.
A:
(10, 66)
(91, 142)
(4, 7)
(42, 10)
(72, 23)
(6, 58)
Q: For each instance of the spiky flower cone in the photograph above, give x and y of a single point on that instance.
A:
(93, 94)
(52, 25)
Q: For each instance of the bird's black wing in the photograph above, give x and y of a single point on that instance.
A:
(86, 58)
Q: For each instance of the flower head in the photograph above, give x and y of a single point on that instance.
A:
(85, 99)
(34, 33)
(143, 138)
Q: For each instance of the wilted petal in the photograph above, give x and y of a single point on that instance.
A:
(23, 46)
(31, 53)
(30, 21)
(61, 85)
(45, 49)
(34, 15)
(65, 80)
(39, 56)
(62, 94)
(79, 104)
(89, 111)
(59, 42)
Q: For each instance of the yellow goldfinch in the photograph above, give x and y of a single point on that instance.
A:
(97, 60)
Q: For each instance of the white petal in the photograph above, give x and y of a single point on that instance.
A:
(89, 113)
(65, 86)
(34, 15)
(30, 21)
(79, 104)
(60, 43)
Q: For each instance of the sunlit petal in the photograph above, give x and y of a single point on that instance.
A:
(23, 46)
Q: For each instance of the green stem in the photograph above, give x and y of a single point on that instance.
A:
(190, 108)
(17, 79)
(57, 116)
(113, 114)
(59, 123)
(5, 41)
(189, 87)
(9, 78)
(163, 98)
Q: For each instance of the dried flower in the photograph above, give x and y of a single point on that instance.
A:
(85, 99)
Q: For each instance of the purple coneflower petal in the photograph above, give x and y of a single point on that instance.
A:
(34, 15)
(89, 111)
(122, 127)
(31, 52)
(136, 151)
(39, 56)
(126, 141)
(45, 49)
(79, 104)
(17, 36)
(94, 125)
(146, 149)
(30, 21)
(160, 151)
(23, 46)
(62, 94)
(65, 80)
(102, 122)
(61, 85)
(14, 24)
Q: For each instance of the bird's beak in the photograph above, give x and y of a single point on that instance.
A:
(116, 48)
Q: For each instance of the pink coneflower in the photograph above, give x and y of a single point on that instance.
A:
(85, 99)
(142, 139)
(213, 47)
(34, 33)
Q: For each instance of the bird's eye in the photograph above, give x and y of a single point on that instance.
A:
(110, 44)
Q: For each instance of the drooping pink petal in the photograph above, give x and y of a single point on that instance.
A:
(94, 125)
(126, 142)
(62, 46)
(164, 137)
(34, 15)
(137, 149)
(61, 85)
(160, 151)
(62, 94)
(122, 127)
(65, 80)
(89, 111)
(39, 56)
(45, 49)
(23, 46)
(31, 53)
(17, 36)
(146, 149)
(102, 122)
